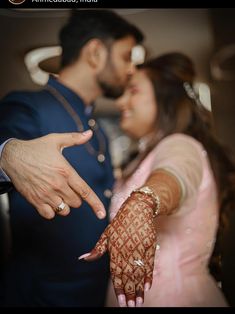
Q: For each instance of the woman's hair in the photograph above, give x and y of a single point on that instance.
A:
(180, 111)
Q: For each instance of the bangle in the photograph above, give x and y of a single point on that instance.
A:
(147, 190)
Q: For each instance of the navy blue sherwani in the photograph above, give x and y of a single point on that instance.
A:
(43, 269)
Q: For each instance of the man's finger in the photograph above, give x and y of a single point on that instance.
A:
(54, 203)
(63, 192)
(64, 140)
(46, 211)
(70, 197)
(86, 193)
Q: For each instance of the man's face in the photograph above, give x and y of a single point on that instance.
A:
(118, 69)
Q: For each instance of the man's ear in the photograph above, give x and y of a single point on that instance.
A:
(96, 54)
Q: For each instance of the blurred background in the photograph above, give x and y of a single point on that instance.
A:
(205, 35)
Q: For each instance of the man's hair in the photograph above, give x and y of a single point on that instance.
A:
(84, 25)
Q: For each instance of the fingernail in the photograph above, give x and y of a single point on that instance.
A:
(131, 303)
(101, 214)
(84, 255)
(139, 302)
(86, 132)
(122, 300)
(147, 286)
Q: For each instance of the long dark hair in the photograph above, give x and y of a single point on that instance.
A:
(180, 111)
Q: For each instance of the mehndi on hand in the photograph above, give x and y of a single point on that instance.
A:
(130, 239)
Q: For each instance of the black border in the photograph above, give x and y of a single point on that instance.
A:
(141, 4)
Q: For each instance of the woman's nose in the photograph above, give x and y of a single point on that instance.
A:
(121, 102)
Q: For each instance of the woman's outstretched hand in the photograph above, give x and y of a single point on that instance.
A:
(130, 239)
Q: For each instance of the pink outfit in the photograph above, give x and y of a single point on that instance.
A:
(186, 237)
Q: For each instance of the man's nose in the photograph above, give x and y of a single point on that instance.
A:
(131, 69)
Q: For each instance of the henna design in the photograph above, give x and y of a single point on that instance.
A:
(130, 236)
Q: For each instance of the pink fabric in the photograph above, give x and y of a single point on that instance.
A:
(185, 238)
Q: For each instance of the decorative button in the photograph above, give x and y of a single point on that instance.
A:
(101, 158)
(108, 193)
(91, 123)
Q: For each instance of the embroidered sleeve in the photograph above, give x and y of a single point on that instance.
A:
(179, 155)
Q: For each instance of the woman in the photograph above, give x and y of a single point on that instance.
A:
(165, 209)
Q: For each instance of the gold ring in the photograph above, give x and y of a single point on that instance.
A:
(60, 207)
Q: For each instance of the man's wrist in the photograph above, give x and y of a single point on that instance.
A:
(3, 176)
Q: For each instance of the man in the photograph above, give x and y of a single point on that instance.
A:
(44, 269)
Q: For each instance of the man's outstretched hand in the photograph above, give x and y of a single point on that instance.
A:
(39, 171)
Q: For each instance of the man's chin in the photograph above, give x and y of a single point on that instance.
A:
(112, 93)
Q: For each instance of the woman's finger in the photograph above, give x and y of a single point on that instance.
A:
(139, 274)
(116, 275)
(99, 249)
(149, 266)
(128, 280)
